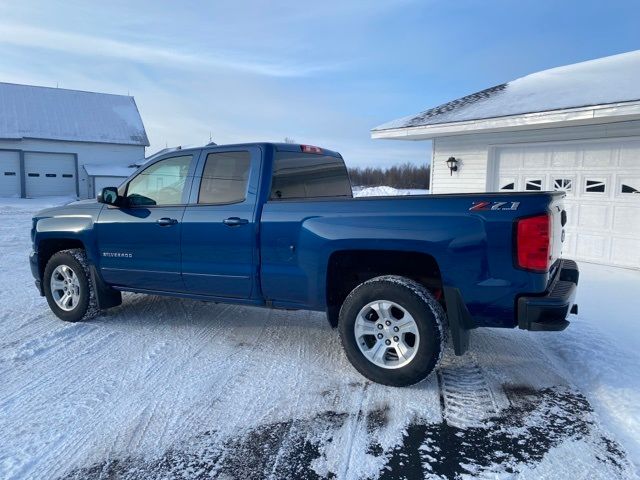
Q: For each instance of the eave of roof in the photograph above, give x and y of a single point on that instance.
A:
(605, 113)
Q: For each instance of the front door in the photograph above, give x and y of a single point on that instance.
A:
(219, 230)
(139, 242)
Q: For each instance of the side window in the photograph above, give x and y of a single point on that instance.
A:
(160, 184)
(307, 175)
(225, 177)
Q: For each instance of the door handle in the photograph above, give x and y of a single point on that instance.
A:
(165, 222)
(233, 221)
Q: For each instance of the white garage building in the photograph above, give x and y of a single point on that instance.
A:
(61, 142)
(574, 128)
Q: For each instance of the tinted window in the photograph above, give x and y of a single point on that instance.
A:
(225, 177)
(160, 184)
(306, 175)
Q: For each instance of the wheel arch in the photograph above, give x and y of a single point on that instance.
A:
(47, 247)
(348, 268)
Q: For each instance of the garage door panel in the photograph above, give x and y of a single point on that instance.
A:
(625, 251)
(591, 247)
(599, 156)
(569, 245)
(573, 212)
(9, 174)
(564, 157)
(593, 216)
(626, 220)
(630, 156)
(50, 174)
(628, 187)
(535, 158)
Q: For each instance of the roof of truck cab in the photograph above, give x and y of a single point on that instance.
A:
(281, 147)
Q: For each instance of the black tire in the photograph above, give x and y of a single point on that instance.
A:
(86, 308)
(429, 318)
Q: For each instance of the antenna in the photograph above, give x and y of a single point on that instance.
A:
(210, 139)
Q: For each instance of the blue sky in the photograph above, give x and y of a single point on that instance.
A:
(321, 72)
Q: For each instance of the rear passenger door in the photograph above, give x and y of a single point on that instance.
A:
(219, 230)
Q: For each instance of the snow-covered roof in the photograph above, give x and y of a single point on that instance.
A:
(607, 80)
(94, 170)
(28, 111)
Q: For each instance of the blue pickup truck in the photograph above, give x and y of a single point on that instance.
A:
(276, 225)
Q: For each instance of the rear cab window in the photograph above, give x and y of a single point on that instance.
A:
(300, 175)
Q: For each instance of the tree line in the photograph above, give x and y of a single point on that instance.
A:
(406, 175)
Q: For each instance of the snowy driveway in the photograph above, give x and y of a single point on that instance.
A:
(162, 388)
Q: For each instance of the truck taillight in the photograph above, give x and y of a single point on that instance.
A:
(533, 243)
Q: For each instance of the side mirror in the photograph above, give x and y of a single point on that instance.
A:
(108, 195)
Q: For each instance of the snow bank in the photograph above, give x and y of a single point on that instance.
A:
(384, 191)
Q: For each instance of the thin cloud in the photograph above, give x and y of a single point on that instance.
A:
(87, 45)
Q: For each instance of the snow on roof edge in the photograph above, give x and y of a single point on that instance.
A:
(602, 81)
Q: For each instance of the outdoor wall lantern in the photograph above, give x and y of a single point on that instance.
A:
(452, 163)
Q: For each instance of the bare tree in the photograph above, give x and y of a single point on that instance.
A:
(406, 175)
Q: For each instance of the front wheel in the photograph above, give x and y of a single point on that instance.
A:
(68, 287)
(393, 330)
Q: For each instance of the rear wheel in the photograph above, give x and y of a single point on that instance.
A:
(393, 330)
(68, 287)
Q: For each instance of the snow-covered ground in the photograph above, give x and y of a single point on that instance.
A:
(165, 388)
(384, 191)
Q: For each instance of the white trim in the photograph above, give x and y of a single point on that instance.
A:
(431, 165)
(607, 113)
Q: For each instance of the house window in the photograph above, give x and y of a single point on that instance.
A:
(563, 184)
(595, 186)
(508, 186)
(533, 184)
(624, 188)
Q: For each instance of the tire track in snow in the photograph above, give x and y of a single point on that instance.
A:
(466, 397)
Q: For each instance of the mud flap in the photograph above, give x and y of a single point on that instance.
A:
(106, 296)
(460, 321)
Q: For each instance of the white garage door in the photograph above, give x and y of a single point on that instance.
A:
(9, 174)
(49, 174)
(602, 181)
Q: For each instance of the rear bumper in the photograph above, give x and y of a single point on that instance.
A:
(548, 312)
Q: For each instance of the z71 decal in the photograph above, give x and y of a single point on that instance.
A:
(494, 206)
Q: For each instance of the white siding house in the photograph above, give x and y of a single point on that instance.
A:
(48, 135)
(573, 128)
